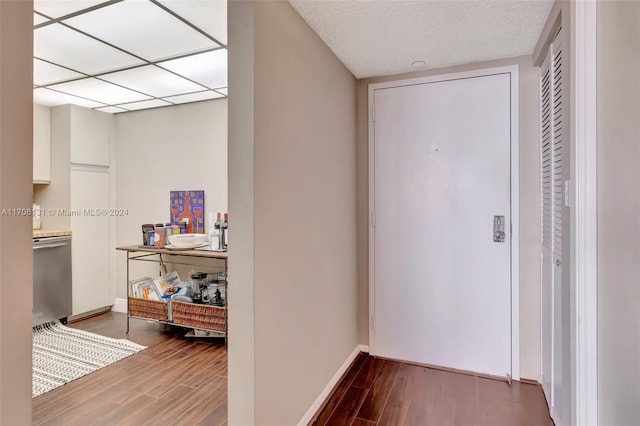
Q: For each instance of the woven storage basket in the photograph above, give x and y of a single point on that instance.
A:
(148, 308)
(206, 317)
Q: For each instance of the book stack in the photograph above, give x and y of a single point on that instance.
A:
(159, 289)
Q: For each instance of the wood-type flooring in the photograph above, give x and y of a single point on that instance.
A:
(175, 381)
(379, 392)
(180, 381)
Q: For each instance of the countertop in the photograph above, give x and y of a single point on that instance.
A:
(40, 233)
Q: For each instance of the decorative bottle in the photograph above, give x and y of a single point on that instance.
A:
(216, 232)
(186, 215)
(224, 228)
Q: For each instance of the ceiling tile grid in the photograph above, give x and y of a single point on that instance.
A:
(208, 69)
(153, 80)
(64, 46)
(101, 91)
(142, 28)
(59, 8)
(51, 97)
(125, 55)
(46, 73)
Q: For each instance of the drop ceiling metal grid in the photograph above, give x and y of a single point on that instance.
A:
(126, 55)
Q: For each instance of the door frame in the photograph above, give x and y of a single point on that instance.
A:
(584, 268)
(515, 195)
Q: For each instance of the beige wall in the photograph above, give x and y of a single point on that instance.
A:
(529, 261)
(16, 253)
(304, 239)
(159, 150)
(618, 80)
(241, 365)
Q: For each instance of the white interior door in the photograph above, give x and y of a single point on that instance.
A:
(441, 284)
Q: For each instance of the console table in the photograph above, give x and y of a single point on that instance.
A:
(209, 318)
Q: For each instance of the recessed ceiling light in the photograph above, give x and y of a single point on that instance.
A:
(418, 64)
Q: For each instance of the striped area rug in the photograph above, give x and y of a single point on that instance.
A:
(62, 354)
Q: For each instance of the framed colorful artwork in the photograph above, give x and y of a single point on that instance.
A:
(188, 206)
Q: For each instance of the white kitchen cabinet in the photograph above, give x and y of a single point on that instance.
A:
(41, 144)
(89, 198)
(90, 134)
(80, 185)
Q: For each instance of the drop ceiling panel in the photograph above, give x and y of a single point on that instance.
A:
(209, 69)
(46, 73)
(100, 91)
(58, 44)
(194, 97)
(153, 103)
(58, 8)
(111, 109)
(52, 98)
(143, 29)
(153, 81)
(208, 15)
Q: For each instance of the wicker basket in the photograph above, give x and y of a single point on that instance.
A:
(194, 315)
(148, 308)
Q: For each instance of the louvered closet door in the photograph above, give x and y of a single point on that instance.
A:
(555, 173)
(546, 163)
(561, 295)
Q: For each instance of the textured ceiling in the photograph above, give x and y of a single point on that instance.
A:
(382, 37)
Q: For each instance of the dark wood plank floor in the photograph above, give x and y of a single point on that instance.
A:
(175, 381)
(379, 392)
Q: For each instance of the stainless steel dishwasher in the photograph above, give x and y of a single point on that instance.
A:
(51, 279)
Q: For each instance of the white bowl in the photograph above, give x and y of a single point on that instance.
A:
(187, 240)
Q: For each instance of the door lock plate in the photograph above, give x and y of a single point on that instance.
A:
(498, 229)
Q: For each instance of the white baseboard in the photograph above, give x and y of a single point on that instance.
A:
(119, 305)
(364, 348)
(304, 421)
